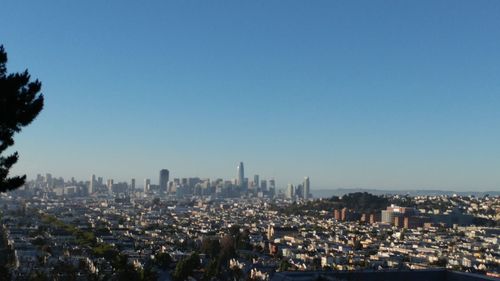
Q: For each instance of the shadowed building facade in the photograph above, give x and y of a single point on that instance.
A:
(163, 182)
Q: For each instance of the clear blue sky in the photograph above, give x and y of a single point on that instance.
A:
(387, 94)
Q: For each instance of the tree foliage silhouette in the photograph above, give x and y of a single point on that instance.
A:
(20, 103)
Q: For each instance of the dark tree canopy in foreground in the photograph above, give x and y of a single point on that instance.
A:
(20, 103)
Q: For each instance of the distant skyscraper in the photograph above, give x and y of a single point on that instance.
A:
(164, 174)
(306, 188)
(92, 185)
(272, 188)
(132, 185)
(39, 178)
(241, 175)
(299, 191)
(290, 191)
(147, 184)
(256, 181)
(49, 180)
(272, 183)
(263, 185)
(109, 184)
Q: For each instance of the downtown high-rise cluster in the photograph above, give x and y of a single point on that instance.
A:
(175, 188)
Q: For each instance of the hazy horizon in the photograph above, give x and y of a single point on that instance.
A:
(397, 95)
(279, 184)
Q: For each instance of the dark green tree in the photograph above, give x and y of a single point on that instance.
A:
(186, 266)
(234, 230)
(244, 240)
(149, 274)
(163, 260)
(20, 103)
(124, 270)
(38, 276)
(4, 273)
(227, 249)
(284, 265)
(210, 246)
(212, 270)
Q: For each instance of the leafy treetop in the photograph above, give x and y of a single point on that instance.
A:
(20, 103)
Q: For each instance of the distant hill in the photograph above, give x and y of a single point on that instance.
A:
(328, 193)
(361, 202)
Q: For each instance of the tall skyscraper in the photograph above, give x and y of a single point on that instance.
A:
(299, 191)
(164, 174)
(92, 185)
(241, 175)
(263, 185)
(272, 188)
(147, 183)
(290, 192)
(109, 184)
(49, 180)
(39, 178)
(132, 185)
(306, 188)
(256, 182)
(272, 183)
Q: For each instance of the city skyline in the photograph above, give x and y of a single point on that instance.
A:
(353, 94)
(281, 184)
(164, 178)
